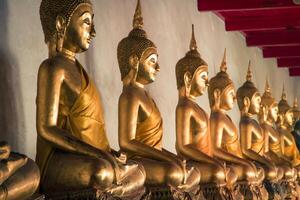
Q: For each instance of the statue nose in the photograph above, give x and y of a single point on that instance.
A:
(93, 31)
(157, 68)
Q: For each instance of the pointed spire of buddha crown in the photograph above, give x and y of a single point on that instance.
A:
(193, 43)
(138, 18)
(249, 72)
(267, 87)
(223, 66)
(283, 96)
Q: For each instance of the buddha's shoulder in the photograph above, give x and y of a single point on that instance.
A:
(51, 65)
(132, 93)
(216, 115)
(185, 105)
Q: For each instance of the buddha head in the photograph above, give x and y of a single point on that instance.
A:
(296, 110)
(221, 92)
(248, 97)
(192, 71)
(285, 111)
(137, 55)
(67, 24)
(268, 105)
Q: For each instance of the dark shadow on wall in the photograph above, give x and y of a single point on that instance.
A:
(11, 105)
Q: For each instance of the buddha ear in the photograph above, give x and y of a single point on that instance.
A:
(217, 97)
(217, 94)
(187, 77)
(60, 24)
(134, 62)
(130, 78)
(246, 102)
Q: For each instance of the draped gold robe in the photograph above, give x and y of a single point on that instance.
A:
(84, 120)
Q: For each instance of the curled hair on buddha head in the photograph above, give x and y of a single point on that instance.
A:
(221, 81)
(190, 62)
(136, 43)
(248, 89)
(51, 9)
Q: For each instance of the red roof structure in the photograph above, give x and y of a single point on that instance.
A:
(272, 25)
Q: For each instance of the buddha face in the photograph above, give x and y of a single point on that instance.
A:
(288, 117)
(228, 98)
(255, 103)
(199, 82)
(80, 31)
(273, 112)
(148, 66)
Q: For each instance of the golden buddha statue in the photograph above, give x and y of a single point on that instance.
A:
(140, 122)
(224, 134)
(73, 152)
(296, 111)
(284, 124)
(268, 115)
(193, 141)
(251, 133)
(19, 175)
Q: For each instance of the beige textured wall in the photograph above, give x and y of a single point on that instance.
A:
(168, 24)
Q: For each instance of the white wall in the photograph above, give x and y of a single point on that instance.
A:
(168, 24)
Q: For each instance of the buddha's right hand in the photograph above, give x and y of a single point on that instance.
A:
(4, 150)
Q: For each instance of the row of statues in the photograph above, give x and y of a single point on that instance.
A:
(214, 159)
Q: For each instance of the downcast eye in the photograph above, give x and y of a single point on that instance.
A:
(87, 21)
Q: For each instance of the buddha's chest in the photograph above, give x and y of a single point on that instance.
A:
(274, 137)
(230, 131)
(70, 89)
(199, 127)
(257, 133)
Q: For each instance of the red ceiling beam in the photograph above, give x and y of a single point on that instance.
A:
(281, 51)
(294, 71)
(261, 23)
(222, 5)
(271, 38)
(288, 62)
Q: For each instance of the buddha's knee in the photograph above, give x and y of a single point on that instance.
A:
(290, 173)
(104, 174)
(271, 174)
(175, 175)
(280, 173)
(250, 173)
(219, 175)
(33, 175)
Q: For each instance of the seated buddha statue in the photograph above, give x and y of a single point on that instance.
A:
(19, 175)
(224, 134)
(251, 133)
(268, 115)
(140, 122)
(296, 111)
(285, 127)
(73, 152)
(193, 141)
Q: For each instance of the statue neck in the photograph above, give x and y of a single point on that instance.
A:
(183, 94)
(137, 84)
(67, 54)
(269, 122)
(247, 114)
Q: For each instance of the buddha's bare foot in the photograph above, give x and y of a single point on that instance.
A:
(15, 162)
